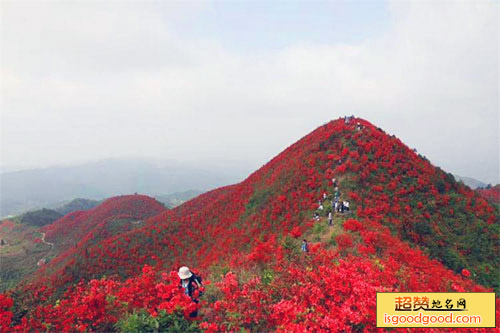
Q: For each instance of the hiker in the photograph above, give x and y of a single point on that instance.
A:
(346, 205)
(336, 205)
(359, 127)
(320, 206)
(191, 283)
(324, 195)
(330, 218)
(304, 247)
(334, 182)
(316, 216)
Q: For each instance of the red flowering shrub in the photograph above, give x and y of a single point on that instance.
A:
(491, 194)
(344, 241)
(295, 232)
(5, 312)
(99, 304)
(352, 225)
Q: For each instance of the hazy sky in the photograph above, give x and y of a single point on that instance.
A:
(217, 81)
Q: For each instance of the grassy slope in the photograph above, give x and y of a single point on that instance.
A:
(20, 253)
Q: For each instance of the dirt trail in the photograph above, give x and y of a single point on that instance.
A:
(42, 260)
(333, 229)
(43, 240)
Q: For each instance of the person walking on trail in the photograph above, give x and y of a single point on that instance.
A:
(324, 195)
(330, 219)
(316, 216)
(346, 205)
(191, 283)
(305, 246)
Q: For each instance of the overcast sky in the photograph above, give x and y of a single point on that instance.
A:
(240, 81)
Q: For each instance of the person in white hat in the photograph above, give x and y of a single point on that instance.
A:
(191, 283)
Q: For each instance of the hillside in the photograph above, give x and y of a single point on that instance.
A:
(76, 205)
(21, 249)
(471, 182)
(492, 194)
(40, 217)
(411, 227)
(26, 245)
(73, 226)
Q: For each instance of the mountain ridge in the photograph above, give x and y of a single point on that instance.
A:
(406, 216)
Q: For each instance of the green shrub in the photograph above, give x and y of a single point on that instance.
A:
(452, 259)
(319, 228)
(267, 276)
(332, 241)
(142, 321)
(39, 218)
(290, 244)
(423, 228)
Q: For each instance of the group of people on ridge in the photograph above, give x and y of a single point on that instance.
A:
(348, 119)
(337, 205)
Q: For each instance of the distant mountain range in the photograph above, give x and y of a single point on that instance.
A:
(50, 187)
(178, 198)
(471, 182)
